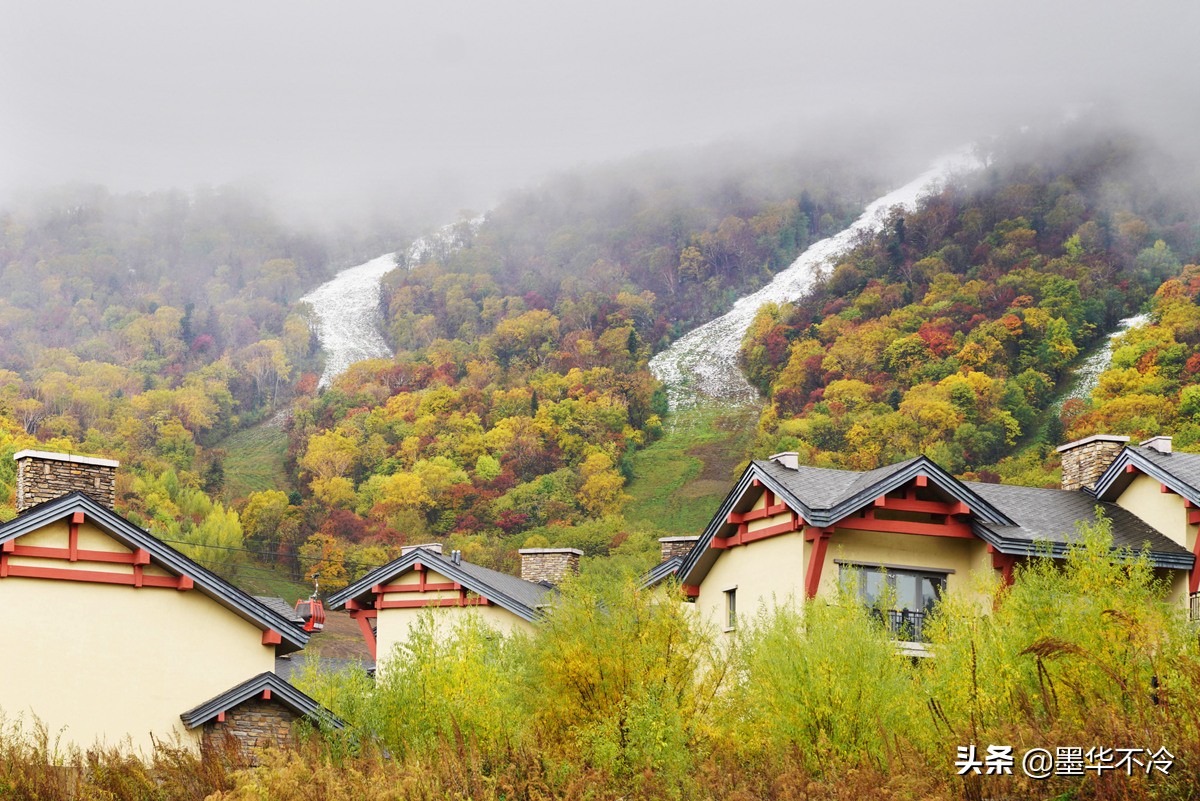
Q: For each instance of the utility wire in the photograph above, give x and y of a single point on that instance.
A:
(268, 554)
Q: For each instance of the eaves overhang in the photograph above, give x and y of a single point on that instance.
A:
(363, 589)
(235, 600)
(661, 572)
(281, 692)
(701, 557)
(1175, 560)
(1129, 462)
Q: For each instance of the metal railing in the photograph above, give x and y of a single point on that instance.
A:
(1194, 607)
(904, 624)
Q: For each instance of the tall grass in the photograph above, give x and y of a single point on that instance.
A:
(621, 693)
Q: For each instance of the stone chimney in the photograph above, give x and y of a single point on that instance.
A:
(1160, 443)
(549, 564)
(436, 547)
(43, 476)
(789, 459)
(1085, 460)
(676, 546)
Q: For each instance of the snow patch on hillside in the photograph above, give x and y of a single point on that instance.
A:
(347, 307)
(702, 364)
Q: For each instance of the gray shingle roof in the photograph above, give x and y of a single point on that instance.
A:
(1178, 471)
(1050, 515)
(288, 666)
(527, 592)
(1184, 466)
(522, 598)
(822, 487)
(281, 693)
(1011, 519)
(281, 607)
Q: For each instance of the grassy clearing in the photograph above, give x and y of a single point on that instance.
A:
(254, 460)
(260, 580)
(679, 480)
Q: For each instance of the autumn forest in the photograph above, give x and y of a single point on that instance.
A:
(164, 329)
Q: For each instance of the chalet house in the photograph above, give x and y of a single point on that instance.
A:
(909, 532)
(388, 600)
(112, 635)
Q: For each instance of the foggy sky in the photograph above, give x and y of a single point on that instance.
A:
(338, 103)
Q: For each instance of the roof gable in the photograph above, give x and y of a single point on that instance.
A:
(191, 575)
(822, 497)
(520, 597)
(280, 692)
(1180, 472)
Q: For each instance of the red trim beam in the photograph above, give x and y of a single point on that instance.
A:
(96, 577)
(868, 522)
(422, 603)
(927, 507)
(744, 536)
(756, 514)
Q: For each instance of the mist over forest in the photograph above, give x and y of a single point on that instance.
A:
(333, 280)
(389, 112)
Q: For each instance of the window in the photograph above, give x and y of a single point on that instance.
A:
(731, 609)
(902, 597)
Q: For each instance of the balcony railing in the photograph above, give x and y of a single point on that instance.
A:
(1194, 607)
(907, 625)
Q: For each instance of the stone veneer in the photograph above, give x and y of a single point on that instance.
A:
(44, 476)
(676, 546)
(549, 564)
(1085, 460)
(254, 725)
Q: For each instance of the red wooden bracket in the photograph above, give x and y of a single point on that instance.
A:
(1004, 563)
(271, 637)
(816, 561)
(1194, 576)
(363, 616)
(73, 536)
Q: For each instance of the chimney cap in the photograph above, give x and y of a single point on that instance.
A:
(524, 551)
(789, 459)
(1161, 443)
(435, 547)
(73, 458)
(1093, 438)
(688, 538)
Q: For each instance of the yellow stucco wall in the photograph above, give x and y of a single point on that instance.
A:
(771, 572)
(767, 574)
(973, 574)
(104, 662)
(1166, 512)
(392, 626)
(1162, 510)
